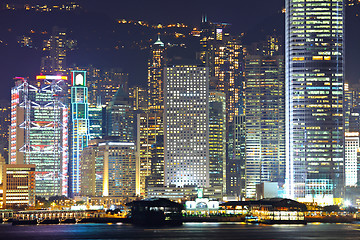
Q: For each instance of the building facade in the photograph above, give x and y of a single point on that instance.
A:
(217, 140)
(264, 121)
(18, 184)
(119, 168)
(351, 158)
(119, 122)
(314, 93)
(156, 66)
(186, 126)
(79, 126)
(149, 130)
(39, 132)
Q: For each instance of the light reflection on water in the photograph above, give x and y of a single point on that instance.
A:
(189, 231)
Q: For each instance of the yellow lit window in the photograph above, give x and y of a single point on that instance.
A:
(317, 58)
(298, 59)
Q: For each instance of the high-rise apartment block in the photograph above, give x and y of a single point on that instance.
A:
(186, 125)
(265, 121)
(39, 132)
(314, 93)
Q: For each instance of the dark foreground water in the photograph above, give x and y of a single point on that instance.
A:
(190, 231)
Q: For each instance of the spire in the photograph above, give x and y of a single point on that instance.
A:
(159, 42)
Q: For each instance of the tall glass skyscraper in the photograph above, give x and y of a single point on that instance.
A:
(39, 132)
(314, 93)
(80, 126)
(264, 121)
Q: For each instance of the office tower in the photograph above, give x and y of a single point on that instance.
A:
(222, 53)
(108, 169)
(156, 177)
(149, 131)
(138, 98)
(351, 158)
(91, 169)
(55, 61)
(186, 125)
(79, 126)
(235, 169)
(117, 77)
(156, 66)
(314, 92)
(18, 184)
(4, 128)
(119, 117)
(39, 132)
(93, 83)
(95, 122)
(217, 140)
(119, 168)
(270, 47)
(109, 84)
(264, 121)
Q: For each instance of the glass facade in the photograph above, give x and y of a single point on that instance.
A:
(80, 126)
(39, 134)
(217, 140)
(265, 121)
(314, 92)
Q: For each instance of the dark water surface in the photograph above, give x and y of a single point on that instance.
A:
(189, 231)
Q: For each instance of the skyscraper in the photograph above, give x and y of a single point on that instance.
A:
(314, 94)
(265, 121)
(108, 169)
(79, 126)
(235, 169)
(156, 66)
(351, 158)
(119, 117)
(217, 140)
(149, 130)
(138, 98)
(186, 125)
(119, 168)
(39, 132)
(222, 53)
(55, 61)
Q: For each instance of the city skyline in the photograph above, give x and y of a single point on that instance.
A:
(216, 114)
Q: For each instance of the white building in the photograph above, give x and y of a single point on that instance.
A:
(351, 151)
(186, 126)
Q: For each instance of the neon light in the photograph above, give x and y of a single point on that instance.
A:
(42, 77)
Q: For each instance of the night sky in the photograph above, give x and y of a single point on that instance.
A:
(254, 18)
